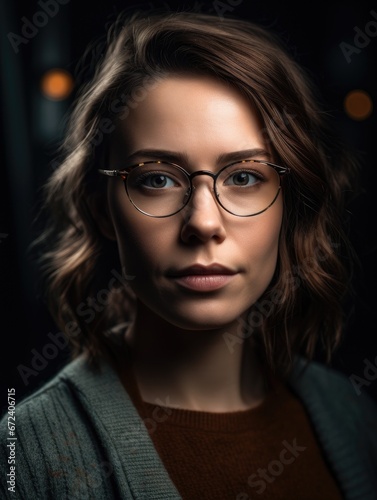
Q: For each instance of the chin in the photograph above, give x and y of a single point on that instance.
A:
(202, 317)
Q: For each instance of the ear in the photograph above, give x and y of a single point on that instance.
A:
(99, 209)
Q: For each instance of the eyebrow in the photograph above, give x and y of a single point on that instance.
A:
(176, 157)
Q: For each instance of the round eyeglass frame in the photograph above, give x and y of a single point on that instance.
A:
(123, 173)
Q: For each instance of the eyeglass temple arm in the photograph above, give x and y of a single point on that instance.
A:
(280, 170)
(111, 173)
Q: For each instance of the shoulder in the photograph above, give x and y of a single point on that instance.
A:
(344, 421)
(326, 385)
(80, 436)
(52, 435)
(333, 403)
(50, 399)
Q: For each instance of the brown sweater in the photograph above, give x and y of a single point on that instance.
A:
(268, 452)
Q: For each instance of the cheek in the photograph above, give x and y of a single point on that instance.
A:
(140, 238)
(260, 242)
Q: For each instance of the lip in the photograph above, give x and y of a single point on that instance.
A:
(203, 278)
(200, 269)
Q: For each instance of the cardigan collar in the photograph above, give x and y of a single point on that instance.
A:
(136, 463)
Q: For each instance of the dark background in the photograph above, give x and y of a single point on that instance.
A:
(31, 127)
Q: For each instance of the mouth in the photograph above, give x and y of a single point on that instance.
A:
(202, 278)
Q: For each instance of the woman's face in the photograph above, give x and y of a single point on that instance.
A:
(198, 118)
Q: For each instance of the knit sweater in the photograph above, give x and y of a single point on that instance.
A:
(269, 449)
(81, 436)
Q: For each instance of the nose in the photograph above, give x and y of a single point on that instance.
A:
(203, 217)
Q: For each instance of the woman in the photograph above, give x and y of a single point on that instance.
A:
(198, 163)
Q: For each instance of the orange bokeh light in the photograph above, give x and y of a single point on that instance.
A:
(57, 84)
(358, 104)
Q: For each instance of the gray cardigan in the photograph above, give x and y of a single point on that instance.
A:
(80, 437)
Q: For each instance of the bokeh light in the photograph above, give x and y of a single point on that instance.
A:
(358, 104)
(57, 84)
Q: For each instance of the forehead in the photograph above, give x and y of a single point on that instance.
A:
(189, 112)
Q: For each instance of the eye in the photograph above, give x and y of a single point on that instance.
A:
(155, 180)
(243, 178)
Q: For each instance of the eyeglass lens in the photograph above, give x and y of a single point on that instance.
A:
(161, 189)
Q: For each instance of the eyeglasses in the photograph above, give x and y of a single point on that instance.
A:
(161, 189)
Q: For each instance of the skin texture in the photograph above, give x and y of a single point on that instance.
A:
(178, 336)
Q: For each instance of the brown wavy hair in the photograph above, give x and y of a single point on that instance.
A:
(303, 308)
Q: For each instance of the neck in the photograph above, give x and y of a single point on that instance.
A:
(194, 369)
